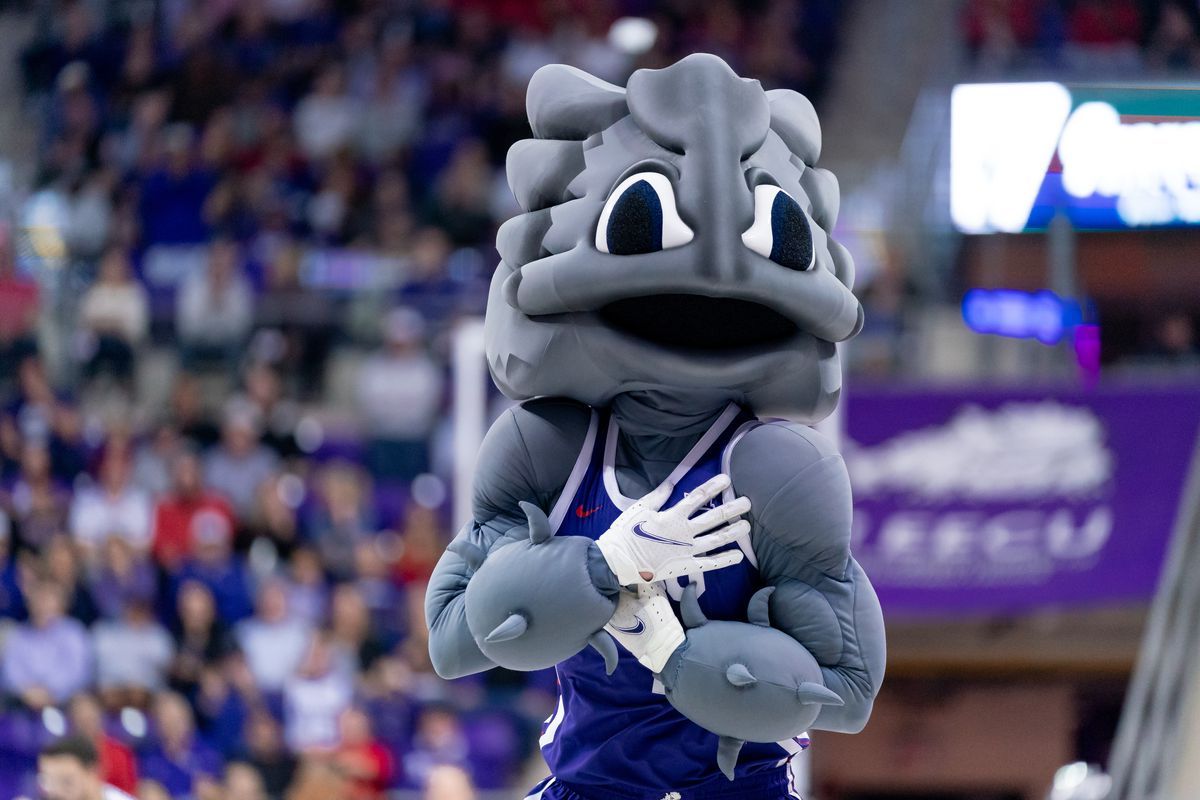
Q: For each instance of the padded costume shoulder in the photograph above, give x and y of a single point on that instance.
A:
(509, 471)
(784, 467)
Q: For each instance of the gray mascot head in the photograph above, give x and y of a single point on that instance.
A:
(675, 239)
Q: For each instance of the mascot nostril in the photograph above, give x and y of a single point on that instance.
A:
(682, 563)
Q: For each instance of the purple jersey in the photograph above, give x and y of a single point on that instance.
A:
(618, 731)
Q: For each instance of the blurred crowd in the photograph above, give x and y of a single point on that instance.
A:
(1084, 36)
(223, 338)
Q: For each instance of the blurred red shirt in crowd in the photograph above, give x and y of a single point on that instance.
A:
(118, 767)
(18, 294)
(176, 513)
(364, 763)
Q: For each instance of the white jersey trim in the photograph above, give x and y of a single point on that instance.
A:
(683, 468)
(563, 504)
(538, 792)
(552, 724)
(743, 541)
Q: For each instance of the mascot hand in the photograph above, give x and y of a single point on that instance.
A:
(645, 545)
(646, 626)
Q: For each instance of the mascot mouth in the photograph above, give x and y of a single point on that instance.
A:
(697, 322)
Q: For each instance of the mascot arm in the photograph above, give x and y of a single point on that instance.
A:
(506, 592)
(812, 655)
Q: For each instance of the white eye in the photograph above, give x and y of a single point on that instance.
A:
(640, 217)
(780, 231)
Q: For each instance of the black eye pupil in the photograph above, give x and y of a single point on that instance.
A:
(635, 223)
(791, 241)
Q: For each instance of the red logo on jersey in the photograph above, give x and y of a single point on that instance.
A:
(582, 514)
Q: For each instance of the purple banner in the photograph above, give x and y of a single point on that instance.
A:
(970, 502)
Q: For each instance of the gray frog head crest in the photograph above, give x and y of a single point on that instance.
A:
(675, 237)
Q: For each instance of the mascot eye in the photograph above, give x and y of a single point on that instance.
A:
(780, 230)
(640, 217)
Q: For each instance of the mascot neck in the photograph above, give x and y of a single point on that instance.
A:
(669, 414)
(658, 428)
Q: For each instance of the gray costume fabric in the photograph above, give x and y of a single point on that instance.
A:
(665, 334)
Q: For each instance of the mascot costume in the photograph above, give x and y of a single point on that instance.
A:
(682, 563)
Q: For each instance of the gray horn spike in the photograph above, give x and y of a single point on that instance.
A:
(603, 644)
(689, 608)
(468, 552)
(728, 749)
(759, 609)
(510, 629)
(740, 675)
(539, 523)
(809, 692)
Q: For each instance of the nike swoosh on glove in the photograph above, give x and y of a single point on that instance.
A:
(645, 625)
(646, 544)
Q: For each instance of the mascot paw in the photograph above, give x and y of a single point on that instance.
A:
(532, 604)
(744, 682)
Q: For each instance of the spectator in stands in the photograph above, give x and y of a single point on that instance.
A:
(38, 502)
(69, 769)
(213, 563)
(360, 758)
(315, 696)
(215, 309)
(274, 520)
(176, 513)
(121, 576)
(273, 641)
(115, 313)
(201, 638)
(173, 193)
(266, 752)
(243, 782)
(326, 119)
(12, 603)
(152, 460)
(117, 764)
(385, 602)
(239, 464)
(427, 286)
(177, 758)
(341, 521)
(50, 658)
(448, 782)
(275, 410)
(1103, 23)
(189, 415)
(1173, 40)
(69, 451)
(422, 544)
(35, 406)
(221, 710)
(304, 317)
(308, 592)
(461, 201)
(18, 309)
(395, 96)
(1175, 342)
(61, 564)
(132, 656)
(350, 631)
(439, 739)
(399, 394)
(114, 507)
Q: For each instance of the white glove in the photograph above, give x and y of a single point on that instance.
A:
(646, 626)
(645, 545)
